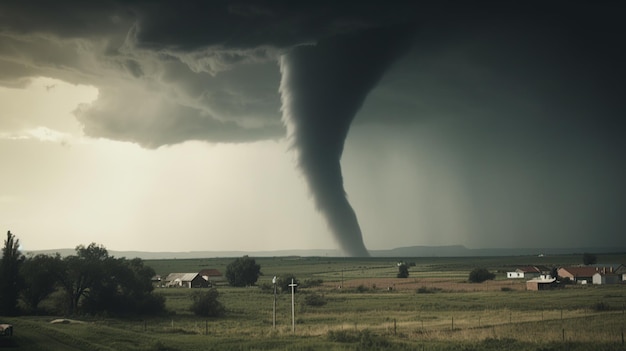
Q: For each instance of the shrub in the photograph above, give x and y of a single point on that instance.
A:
(361, 288)
(285, 280)
(314, 300)
(403, 270)
(479, 275)
(266, 287)
(206, 304)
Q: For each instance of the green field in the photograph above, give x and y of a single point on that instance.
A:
(434, 309)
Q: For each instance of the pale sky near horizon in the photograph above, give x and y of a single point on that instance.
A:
(64, 188)
(157, 127)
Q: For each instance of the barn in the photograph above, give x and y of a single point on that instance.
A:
(186, 280)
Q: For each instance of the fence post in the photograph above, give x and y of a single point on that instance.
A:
(563, 334)
(452, 323)
(394, 326)
(206, 327)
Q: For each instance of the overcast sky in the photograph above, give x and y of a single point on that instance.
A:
(183, 126)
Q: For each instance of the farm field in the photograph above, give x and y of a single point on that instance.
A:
(434, 309)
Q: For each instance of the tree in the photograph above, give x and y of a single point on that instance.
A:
(479, 275)
(81, 273)
(244, 271)
(125, 288)
(40, 279)
(10, 279)
(403, 270)
(589, 258)
(99, 283)
(206, 304)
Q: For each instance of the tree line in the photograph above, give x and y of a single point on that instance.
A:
(89, 282)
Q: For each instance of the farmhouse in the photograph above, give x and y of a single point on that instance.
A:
(212, 275)
(187, 280)
(580, 275)
(524, 272)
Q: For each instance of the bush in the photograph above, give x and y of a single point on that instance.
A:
(479, 275)
(206, 304)
(403, 270)
(361, 288)
(315, 300)
(285, 280)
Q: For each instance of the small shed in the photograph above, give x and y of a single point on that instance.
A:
(540, 284)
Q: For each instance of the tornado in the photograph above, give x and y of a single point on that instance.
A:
(323, 86)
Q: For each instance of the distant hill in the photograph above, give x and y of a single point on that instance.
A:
(409, 251)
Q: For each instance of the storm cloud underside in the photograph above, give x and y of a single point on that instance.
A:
(322, 88)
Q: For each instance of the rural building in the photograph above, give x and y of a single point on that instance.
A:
(212, 275)
(186, 280)
(541, 283)
(610, 267)
(606, 278)
(621, 271)
(580, 275)
(528, 272)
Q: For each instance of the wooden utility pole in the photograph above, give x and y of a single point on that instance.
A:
(293, 310)
(274, 314)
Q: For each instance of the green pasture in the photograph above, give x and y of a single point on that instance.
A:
(331, 269)
(573, 318)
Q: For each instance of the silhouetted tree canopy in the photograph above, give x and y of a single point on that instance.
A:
(98, 283)
(10, 279)
(243, 271)
(40, 278)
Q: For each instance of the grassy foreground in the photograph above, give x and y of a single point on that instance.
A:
(434, 309)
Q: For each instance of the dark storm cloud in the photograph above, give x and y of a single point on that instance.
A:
(188, 55)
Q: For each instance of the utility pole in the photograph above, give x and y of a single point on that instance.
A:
(274, 315)
(293, 311)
